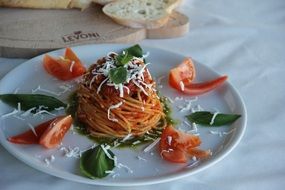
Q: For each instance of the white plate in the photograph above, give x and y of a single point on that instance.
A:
(153, 169)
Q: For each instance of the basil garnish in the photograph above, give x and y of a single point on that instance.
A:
(135, 50)
(123, 58)
(118, 75)
(29, 101)
(94, 162)
(205, 118)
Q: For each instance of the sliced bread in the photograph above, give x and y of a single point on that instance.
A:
(141, 13)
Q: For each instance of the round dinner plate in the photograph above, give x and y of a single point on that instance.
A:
(140, 168)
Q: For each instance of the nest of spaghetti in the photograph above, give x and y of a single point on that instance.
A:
(109, 108)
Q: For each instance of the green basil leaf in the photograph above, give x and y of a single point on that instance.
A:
(123, 58)
(118, 75)
(29, 101)
(94, 163)
(135, 50)
(205, 118)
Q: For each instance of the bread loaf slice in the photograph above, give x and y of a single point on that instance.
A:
(46, 4)
(148, 14)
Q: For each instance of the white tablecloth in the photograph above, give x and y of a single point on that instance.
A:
(244, 39)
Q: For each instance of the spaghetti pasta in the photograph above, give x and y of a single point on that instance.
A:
(110, 109)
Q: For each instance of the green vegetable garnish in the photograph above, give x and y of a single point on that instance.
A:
(94, 162)
(123, 58)
(206, 118)
(135, 50)
(118, 75)
(29, 101)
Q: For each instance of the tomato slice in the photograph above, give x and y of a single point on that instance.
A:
(195, 89)
(65, 68)
(185, 74)
(198, 153)
(77, 69)
(29, 137)
(56, 131)
(57, 68)
(174, 145)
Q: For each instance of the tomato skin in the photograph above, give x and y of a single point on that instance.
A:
(185, 72)
(64, 69)
(198, 153)
(78, 69)
(177, 150)
(195, 89)
(54, 134)
(29, 137)
(56, 68)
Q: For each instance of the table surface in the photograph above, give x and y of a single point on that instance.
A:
(246, 41)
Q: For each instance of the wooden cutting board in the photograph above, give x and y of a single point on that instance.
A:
(25, 33)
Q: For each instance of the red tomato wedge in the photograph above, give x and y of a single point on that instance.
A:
(184, 72)
(181, 77)
(66, 68)
(175, 145)
(195, 89)
(54, 134)
(29, 136)
(77, 69)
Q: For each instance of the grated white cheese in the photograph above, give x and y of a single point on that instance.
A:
(115, 175)
(169, 139)
(100, 86)
(178, 98)
(109, 172)
(141, 158)
(71, 66)
(14, 112)
(127, 137)
(189, 104)
(115, 161)
(43, 112)
(128, 90)
(49, 160)
(149, 147)
(71, 152)
(106, 151)
(193, 164)
(146, 55)
(170, 100)
(169, 150)
(182, 87)
(140, 87)
(213, 118)
(109, 111)
(19, 106)
(121, 90)
(59, 108)
(129, 170)
(136, 142)
(28, 112)
(39, 88)
(33, 129)
(17, 117)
